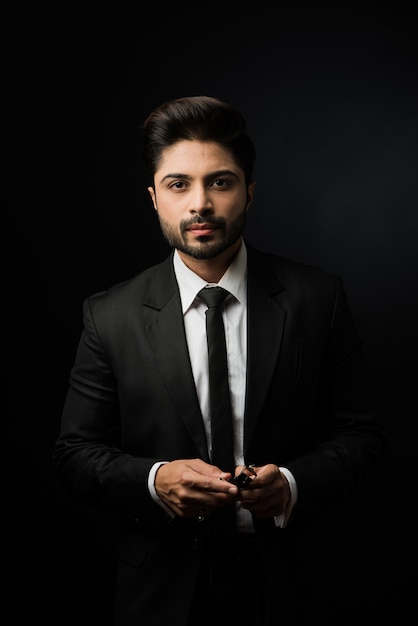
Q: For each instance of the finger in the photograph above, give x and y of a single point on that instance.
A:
(208, 470)
(197, 482)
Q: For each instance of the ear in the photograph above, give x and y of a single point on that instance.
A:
(151, 192)
(250, 194)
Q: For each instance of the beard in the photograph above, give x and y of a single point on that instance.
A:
(204, 247)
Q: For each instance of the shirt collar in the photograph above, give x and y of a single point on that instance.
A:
(234, 279)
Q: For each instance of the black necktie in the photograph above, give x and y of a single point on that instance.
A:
(223, 519)
(220, 401)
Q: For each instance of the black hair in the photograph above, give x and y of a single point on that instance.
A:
(204, 118)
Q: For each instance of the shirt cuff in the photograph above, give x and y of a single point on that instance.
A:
(282, 520)
(152, 490)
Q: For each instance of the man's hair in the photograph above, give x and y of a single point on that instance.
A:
(202, 118)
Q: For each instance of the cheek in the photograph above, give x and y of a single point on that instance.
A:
(235, 208)
(168, 208)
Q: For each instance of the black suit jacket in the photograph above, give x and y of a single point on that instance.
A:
(132, 402)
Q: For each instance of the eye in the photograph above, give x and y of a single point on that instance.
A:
(177, 184)
(220, 182)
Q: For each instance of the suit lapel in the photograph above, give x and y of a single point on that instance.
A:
(266, 321)
(165, 330)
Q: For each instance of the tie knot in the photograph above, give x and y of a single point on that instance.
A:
(212, 296)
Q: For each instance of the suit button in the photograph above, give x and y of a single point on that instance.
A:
(194, 543)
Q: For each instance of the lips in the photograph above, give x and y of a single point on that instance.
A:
(201, 230)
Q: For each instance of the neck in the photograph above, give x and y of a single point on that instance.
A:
(211, 270)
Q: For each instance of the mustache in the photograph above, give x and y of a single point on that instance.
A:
(217, 221)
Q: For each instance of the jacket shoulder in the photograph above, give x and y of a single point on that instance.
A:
(155, 281)
(289, 273)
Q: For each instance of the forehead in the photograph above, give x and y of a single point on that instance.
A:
(193, 156)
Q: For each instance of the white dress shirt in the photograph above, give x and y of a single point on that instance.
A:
(235, 321)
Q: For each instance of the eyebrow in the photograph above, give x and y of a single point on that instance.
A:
(209, 176)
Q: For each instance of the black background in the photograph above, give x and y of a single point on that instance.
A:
(331, 102)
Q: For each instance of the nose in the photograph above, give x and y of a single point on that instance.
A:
(200, 201)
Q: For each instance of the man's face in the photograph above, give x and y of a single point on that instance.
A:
(201, 198)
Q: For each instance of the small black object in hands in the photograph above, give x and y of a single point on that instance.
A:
(243, 480)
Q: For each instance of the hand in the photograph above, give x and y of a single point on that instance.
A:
(268, 494)
(192, 487)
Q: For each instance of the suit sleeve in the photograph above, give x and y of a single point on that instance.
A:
(351, 441)
(87, 455)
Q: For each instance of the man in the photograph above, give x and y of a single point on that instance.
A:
(136, 435)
